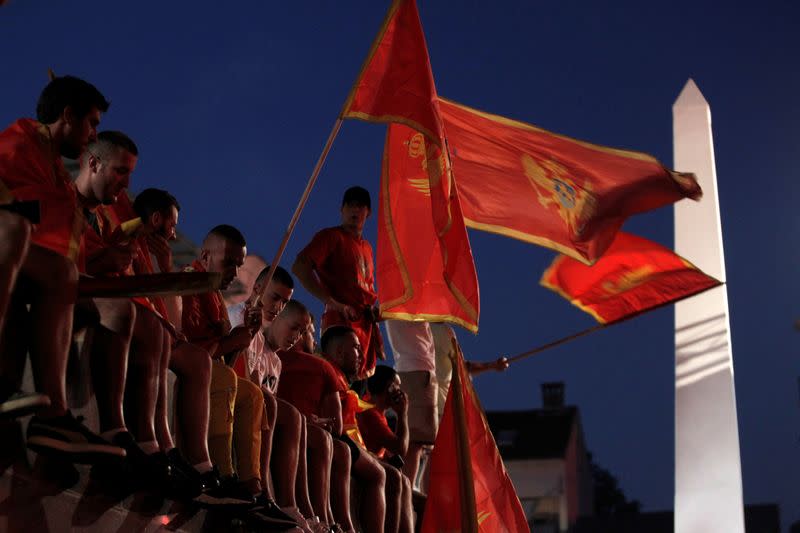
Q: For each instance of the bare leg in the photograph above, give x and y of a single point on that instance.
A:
(407, 507)
(54, 282)
(301, 494)
(192, 366)
(340, 486)
(15, 234)
(411, 460)
(372, 478)
(145, 361)
(267, 439)
(111, 340)
(394, 493)
(163, 434)
(320, 456)
(286, 443)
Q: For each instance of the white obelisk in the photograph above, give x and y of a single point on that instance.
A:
(708, 475)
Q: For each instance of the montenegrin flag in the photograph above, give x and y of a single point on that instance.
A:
(524, 182)
(396, 86)
(635, 275)
(409, 260)
(467, 439)
(396, 83)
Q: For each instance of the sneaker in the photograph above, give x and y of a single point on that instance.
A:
(18, 403)
(143, 470)
(269, 508)
(66, 435)
(137, 470)
(210, 480)
(186, 483)
(261, 518)
(229, 493)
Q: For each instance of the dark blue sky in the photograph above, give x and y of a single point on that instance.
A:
(230, 104)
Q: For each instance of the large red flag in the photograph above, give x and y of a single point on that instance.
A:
(410, 263)
(396, 86)
(497, 507)
(396, 83)
(633, 276)
(530, 184)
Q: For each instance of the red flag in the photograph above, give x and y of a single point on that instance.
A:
(497, 507)
(410, 263)
(530, 184)
(396, 83)
(633, 276)
(396, 86)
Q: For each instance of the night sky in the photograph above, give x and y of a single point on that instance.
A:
(230, 104)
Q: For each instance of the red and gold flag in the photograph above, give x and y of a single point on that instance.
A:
(530, 184)
(396, 87)
(633, 276)
(396, 83)
(464, 436)
(410, 263)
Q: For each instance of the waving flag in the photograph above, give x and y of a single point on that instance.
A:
(409, 260)
(490, 501)
(396, 86)
(633, 276)
(530, 184)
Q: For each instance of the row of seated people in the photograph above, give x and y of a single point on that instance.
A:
(259, 423)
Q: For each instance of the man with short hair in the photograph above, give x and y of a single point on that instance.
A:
(237, 405)
(127, 338)
(242, 287)
(342, 348)
(337, 268)
(157, 212)
(285, 436)
(389, 446)
(312, 385)
(68, 112)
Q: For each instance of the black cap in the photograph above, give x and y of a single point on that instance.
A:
(358, 196)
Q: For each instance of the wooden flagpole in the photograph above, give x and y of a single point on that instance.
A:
(299, 209)
(553, 344)
(466, 481)
(598, 327)
(334, 132)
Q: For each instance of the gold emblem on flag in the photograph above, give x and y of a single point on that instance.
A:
(418, 149)
(627, 281)
(554, 188)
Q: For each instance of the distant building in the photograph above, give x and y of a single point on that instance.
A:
(545, 455)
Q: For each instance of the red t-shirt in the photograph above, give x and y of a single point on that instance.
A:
(375, 429)
(205, 317)
(344, 264)
(31, 169)
(306, 380)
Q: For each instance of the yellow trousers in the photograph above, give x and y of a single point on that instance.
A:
(236, 422)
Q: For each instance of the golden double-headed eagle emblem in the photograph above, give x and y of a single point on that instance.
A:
(556, 190)
(416, 150)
